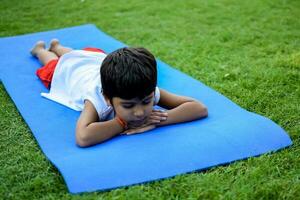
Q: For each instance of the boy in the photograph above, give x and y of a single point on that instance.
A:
(115, 92)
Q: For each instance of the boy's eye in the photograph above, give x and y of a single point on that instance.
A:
(146, 102)
(128, 106)
(131, 105)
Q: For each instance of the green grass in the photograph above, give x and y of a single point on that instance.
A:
(247, 50)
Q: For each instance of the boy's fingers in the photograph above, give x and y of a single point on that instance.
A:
(157, 118)
(129, 131)
(162, 114)
(132, 132)
(141, 130)
(154, 122)
(151, 121)
(158, 111)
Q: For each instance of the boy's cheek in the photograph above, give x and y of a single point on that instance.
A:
(123, 114)
(150, 109)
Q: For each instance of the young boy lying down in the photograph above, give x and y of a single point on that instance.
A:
(116, 92)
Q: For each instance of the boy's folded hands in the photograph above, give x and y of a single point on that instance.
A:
(155, 118)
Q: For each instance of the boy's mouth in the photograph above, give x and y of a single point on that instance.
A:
(139, 121)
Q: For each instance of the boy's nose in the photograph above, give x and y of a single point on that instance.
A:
(139, 113)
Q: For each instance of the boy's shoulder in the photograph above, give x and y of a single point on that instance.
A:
(96, 98)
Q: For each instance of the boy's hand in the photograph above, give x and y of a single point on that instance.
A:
(154, 119)
(141, 129)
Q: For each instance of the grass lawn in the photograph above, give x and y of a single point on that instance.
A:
(247, 50)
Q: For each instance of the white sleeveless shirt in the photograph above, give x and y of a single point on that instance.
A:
(77, 78)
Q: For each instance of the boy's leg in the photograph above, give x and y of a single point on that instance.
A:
(57, 48)
(42, 54)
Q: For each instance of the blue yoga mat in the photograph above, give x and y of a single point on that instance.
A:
(229, 133)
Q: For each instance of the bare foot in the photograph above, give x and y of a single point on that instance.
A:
(38, 46)
(53, 44)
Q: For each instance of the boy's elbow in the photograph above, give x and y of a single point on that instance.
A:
(204, 112)
(82, 139)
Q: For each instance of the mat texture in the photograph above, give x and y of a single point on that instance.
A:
(229, 133)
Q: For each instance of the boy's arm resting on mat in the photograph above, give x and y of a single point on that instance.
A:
(90, 131)
(181, 108)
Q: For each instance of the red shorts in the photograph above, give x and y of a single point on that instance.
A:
(45, 73)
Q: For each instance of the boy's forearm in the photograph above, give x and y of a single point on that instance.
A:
(185, 112)
(98, 132)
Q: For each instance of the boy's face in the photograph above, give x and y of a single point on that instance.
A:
(134, 111)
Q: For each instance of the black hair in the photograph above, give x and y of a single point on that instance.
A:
(128, 73)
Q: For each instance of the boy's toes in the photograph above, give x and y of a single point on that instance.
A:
(39, 45)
